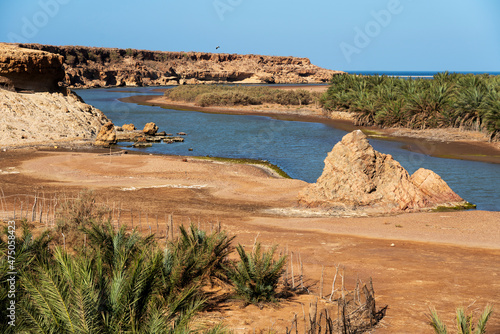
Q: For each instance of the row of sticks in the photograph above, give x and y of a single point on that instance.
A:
(44, 210)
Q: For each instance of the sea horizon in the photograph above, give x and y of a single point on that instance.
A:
(416, 74)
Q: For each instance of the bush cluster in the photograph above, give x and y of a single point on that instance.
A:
(223, 95)
(447, 100)
(121, 282)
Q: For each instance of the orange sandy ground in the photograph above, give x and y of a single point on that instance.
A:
(443, 260)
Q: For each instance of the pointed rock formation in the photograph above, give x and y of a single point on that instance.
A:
(106, 135)
(356, 177)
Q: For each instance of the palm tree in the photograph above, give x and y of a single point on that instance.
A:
(490, 112)
(115, 290)
(28, 250)
(257, 274)
(464, 322)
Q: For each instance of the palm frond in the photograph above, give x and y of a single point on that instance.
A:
(437, 323)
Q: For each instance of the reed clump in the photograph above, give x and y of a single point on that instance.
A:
(224, 95)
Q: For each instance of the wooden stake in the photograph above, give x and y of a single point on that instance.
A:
(172, 225)
(41, 213)
(313, 311)
(255, 241)
(334, 280)
(119, 214)
(301, 272)
(304, 317)
(343, 283)
(33, 213)
(321, 282)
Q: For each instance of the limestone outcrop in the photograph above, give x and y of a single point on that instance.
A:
(32, 70)
(34, 108)
(106, 136)
(88, 67)
(150, 129)
(128, 127)
(46, 118)
(358, 178)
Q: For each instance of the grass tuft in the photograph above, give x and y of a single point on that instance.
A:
(246, 161)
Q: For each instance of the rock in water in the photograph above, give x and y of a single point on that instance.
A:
(106, 135)
(150, 129)
(356, 177)
(128, 127)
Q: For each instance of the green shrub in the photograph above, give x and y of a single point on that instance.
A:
(257, 274)
(116, 284)
(464, 322)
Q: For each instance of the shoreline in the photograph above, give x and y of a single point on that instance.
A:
(447, 143)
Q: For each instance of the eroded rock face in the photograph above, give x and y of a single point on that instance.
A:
(27, 69)
(101, 67)
(43, 118)
(34, 109)
(106, 135)
(356, 177)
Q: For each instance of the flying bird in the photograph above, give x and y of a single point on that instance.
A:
(218, 47)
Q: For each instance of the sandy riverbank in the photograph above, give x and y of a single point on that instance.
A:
(447, 143)
(443, 260)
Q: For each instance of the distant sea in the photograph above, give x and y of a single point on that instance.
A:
(413, 74)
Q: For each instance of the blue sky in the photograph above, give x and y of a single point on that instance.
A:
(373, 35)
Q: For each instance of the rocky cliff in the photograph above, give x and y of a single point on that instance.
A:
(33, 70)
(358, 178)
(102, 67)
(34, 107)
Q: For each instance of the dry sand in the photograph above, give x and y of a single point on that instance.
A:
(444, 260)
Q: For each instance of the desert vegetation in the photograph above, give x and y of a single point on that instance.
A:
(447, 100)
(121, 282)
(104, 278)
(465, 324)
(223, 95)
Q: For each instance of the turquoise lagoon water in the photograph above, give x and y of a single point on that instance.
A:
(299, 148)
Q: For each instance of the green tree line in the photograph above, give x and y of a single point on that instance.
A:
(447, 100)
